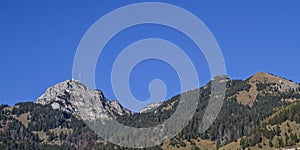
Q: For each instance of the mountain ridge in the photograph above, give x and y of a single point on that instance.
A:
(244, 97)
(260, 124)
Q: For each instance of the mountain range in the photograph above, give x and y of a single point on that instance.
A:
(261, 112)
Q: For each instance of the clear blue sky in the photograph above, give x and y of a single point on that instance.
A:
(38, 41)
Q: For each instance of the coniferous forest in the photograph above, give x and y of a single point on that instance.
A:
(270, 121)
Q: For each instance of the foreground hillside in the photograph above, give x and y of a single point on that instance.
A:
(261, 112)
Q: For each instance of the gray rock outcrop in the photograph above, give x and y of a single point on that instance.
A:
(88, 104)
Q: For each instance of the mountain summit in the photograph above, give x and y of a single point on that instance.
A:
(269, 78)
(74, 97)
(261, 84)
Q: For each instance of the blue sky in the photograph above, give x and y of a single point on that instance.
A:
(38, 41)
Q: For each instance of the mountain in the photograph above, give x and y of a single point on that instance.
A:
(261, 112)
(73, 97)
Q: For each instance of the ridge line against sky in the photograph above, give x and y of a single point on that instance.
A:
(39, 41)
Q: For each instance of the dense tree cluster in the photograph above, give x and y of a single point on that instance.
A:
(12, 130)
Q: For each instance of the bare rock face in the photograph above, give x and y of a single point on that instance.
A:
(88, 104)
(150, 107)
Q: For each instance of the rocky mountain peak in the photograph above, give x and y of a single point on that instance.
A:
(74, 97)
